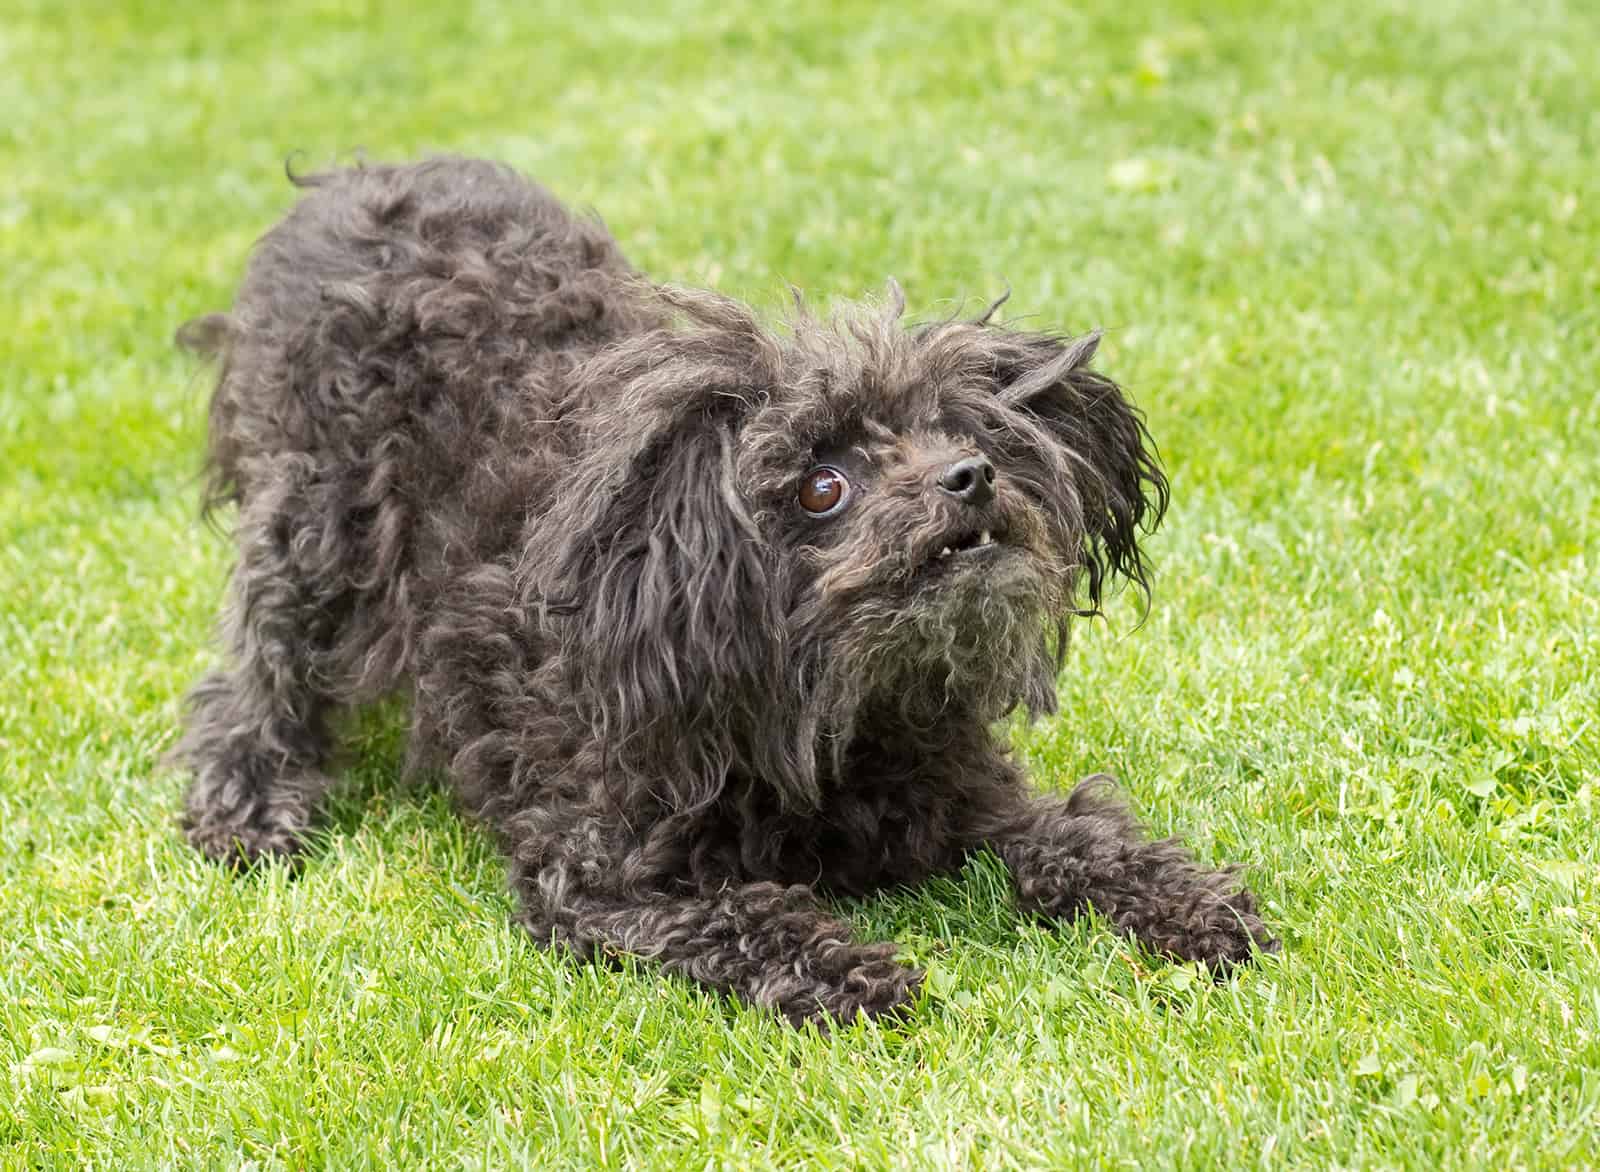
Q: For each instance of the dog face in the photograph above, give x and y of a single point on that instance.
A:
(782, 542)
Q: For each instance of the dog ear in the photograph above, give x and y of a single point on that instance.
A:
(1113, 465)
(659, 582)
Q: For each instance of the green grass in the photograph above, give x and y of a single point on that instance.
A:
(1349, 257)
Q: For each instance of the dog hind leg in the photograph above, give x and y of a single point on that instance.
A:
(257, 734)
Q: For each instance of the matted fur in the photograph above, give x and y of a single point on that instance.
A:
(477, 458)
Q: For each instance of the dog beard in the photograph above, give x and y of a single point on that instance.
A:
(969, 634)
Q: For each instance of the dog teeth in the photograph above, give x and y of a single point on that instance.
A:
(978, 542)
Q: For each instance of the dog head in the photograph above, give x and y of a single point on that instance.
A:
(776, 544)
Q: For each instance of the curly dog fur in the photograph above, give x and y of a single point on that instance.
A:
(476, 457)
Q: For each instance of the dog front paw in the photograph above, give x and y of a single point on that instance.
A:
(1220, 929)
(876, 986)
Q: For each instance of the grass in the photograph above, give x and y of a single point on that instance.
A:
(1349, 257)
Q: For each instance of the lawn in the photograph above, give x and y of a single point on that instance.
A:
(1348, 258)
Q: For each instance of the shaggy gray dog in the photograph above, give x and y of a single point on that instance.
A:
(701, 620)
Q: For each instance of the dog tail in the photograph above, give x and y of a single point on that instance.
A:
(206, 336)
(210, 337)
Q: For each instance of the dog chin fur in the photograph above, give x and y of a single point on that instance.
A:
(478, 460)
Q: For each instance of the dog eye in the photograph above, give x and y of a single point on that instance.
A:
(824, 491)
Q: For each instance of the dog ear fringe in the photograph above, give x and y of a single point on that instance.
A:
(654, 576)
(673, 637)
(1116, 465)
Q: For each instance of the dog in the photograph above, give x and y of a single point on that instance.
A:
(705, 621)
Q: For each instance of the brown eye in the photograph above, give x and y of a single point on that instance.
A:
(824, 491)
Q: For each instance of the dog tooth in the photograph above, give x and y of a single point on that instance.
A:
(945, 552)
(985, 539)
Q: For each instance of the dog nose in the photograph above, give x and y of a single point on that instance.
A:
(970, 479)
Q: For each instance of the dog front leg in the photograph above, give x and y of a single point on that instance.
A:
(770, 944)
(1066, 854)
